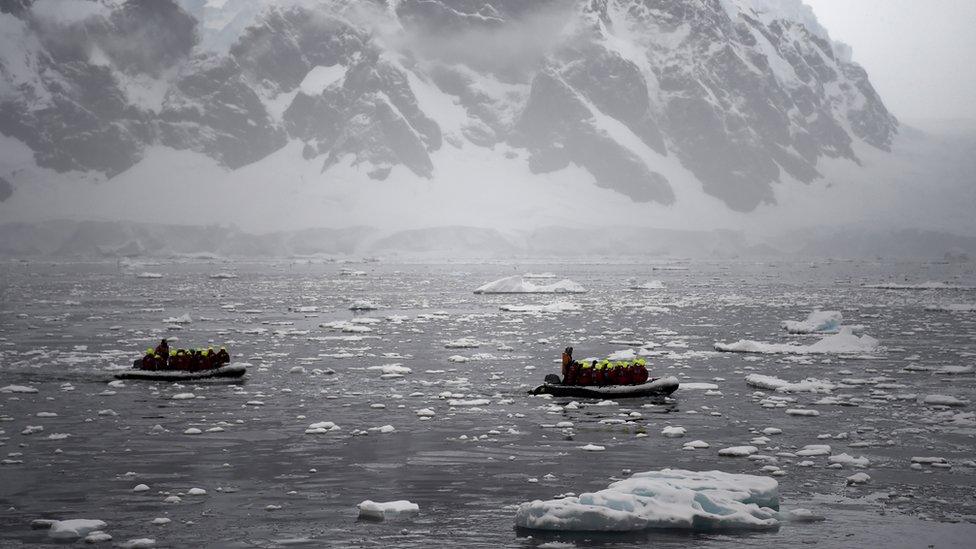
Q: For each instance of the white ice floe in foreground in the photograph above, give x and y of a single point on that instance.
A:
(321, 428)
(520, 285)
(670, 498)
(816, 322)
(17, 389)
(390, 510)
(843, 342)
(74, 528)
(809, 385)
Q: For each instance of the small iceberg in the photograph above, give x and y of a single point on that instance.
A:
(670, 498)
(843, 342)
(520, 285)
(149, 275)
(390, 510)
(822, 322)
(183, 319)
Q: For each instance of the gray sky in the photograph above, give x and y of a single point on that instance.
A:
(920, 54)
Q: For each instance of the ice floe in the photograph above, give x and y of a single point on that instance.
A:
(843, 342)
(389, 510)
(670, 498)
(809, 385)
(520, 285)
(816, 322)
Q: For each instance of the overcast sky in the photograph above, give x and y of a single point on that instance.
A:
(920, 54)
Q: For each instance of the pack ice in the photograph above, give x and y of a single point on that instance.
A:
(816, 322)
(843, 342)
(669, 498)
(519, 285)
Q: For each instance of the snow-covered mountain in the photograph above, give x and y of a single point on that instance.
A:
(651, 99)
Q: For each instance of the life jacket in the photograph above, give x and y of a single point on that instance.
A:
(626, 375)
(585, 375)
(571, 373)
(641, 375)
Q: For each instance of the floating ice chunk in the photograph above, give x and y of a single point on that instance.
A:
(74, 528)
(817, 322)
(694, 386)
(17, 389)
(384, 429)
(710, 500)
(519, 285)
(557, 307)
(809, 385)
(458, 359)
(139, 543)
(463, 343)
(814, 450)
(197, 492)
(159, 521)
(182, 319)
(98, 537)
(223, 275)
(738, 451)
(390, 510)
(802, 412)
(944, 400)
(390, 369)
(858, 478)
(592, 448)
(674, 432)
(845, 459)
(192, 431)
(183, 396)
(695, 445)
(469, 402)
(843, 342)
(149, 275)
(425, 412)
(929, 460)
(626, 354)
(363, 305)
(140, 488)
(321, 428)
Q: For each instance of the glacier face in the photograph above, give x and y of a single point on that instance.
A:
(743, 93)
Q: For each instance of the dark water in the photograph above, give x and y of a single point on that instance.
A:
(65, 327)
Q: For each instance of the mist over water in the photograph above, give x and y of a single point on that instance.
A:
(397, 215)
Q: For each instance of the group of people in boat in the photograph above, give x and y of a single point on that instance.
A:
(191, 360)
(603, 372)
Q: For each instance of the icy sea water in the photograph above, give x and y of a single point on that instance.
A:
(65, 327)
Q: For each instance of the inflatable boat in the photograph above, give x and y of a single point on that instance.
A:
(227, 371)
(659, 386)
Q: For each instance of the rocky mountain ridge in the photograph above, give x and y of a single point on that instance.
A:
(742, 95)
